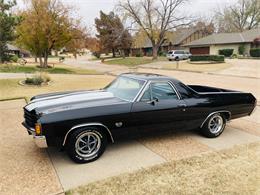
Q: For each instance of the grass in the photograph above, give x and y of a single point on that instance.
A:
(132, 61)
(32, 68)
(233, 171)
(11, 89)
(196, 67)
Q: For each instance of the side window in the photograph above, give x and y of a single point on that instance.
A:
(147, 95)
(183, 90)
(163, 91)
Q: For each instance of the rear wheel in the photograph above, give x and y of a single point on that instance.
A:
(214, 126)
(86, 145)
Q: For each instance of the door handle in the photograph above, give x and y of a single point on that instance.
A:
(182, 105)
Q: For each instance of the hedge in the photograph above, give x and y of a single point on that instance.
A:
(226, 52)
(255, 52)
(215, 58)
(241, 49)
(14, 58)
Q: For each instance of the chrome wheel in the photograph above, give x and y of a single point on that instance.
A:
(87, 144)
(215, 124)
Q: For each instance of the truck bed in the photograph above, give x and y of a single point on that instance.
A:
(206, 89)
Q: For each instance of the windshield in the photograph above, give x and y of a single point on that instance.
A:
(125, 88)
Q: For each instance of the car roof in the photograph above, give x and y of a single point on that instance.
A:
(149, 77)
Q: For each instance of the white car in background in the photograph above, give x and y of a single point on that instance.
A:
(178, 55)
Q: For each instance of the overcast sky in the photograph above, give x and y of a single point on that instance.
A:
(88, 10)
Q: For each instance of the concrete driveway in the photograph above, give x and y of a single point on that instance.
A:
(242, 68)
(25, 169)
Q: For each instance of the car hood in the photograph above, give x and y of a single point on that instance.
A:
(57, 102)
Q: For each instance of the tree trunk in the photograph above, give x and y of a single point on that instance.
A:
(155, 52)
(45, 63)
(123, 53)
(35, 59)
(75, 55)
(113, 51)
(41, 62)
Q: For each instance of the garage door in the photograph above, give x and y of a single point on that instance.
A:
(199, 50)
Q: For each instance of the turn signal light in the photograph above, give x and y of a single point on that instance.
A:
(38, 128)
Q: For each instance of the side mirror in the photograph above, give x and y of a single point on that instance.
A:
(153, 101)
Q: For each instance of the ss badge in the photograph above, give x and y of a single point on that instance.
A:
(119, 124)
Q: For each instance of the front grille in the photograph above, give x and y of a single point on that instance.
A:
(30, 118)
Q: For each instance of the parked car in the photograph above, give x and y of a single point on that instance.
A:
(178, 55)
(188, 54)
(83, 122)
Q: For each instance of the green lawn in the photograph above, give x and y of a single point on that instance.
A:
(59, 69)
(132, 61)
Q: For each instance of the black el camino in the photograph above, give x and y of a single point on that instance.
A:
(83, 122)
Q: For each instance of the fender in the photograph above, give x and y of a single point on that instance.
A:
(221, 111)
(87, 125)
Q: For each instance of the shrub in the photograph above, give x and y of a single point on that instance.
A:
(14, 58)
(234, 55)
(138, 55)
(226, 52)
(97, 54)
(215, 58)
(162, 53)
(255, 52)
(38, 79)
(241, 49)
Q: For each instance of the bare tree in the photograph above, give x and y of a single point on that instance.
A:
(244, 15)
(155, 18)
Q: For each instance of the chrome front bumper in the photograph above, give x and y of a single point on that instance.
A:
(40, 140)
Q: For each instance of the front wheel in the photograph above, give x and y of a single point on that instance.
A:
(214, 126)
(86, 145)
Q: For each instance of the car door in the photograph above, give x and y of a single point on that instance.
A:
(159, 108)
(183, 55)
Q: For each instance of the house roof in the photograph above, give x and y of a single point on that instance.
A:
(227, 38)
(178, 36)
(173, 37)
(12, 47)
